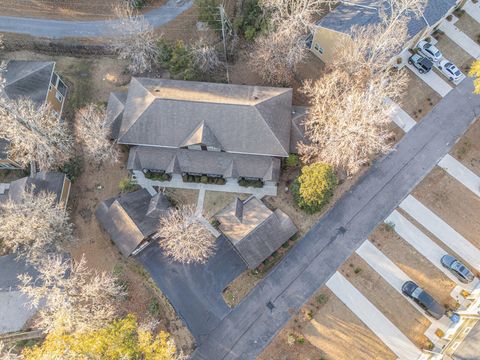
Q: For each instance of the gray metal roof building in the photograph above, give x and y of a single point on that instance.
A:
(365, 12)
(131, 218)
(254, 230)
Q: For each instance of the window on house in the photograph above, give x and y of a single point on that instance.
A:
(318, 48)
(59, 96)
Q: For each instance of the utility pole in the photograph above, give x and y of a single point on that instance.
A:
(222, 18)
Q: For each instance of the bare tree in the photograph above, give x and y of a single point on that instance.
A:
(35, 132)
(6, 353)
(205, 57)
(134, 39)
(348, 120)
(277, 53)
(74, 298)
(184, 238)
(93, 133)
(35, 226)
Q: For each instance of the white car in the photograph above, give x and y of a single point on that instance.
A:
(450, 70)
(429, 50)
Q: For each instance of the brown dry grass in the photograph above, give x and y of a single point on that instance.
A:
(467, 150)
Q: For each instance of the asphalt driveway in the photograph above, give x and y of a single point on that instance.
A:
(195, 291)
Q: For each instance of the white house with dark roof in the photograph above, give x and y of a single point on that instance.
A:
(37, 81)
(205, 129)
(337, 25)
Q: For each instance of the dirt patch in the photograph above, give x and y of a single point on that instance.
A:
(325, 329)
(386, 299)
(467, 150)
(414, 264)
(455, 53)
(419, 98)
(469, 26)
(182, 196)
(70, 10)
(452, 202)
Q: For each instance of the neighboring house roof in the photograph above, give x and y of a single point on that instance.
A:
(43, 181)
(14, 309)
(365, 12)
(297, 132)
(233, 118)
(29, 79)
(131, 218)
(115, 107)
(254, 230)
(204, 162)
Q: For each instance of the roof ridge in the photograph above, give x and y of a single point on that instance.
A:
(30, 73)
(271, 131)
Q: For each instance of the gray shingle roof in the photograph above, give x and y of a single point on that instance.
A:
(115, 107)
(131, 218)
(47, 181)
(28, 79)
(360, 13)
(204, 162)
(254, 230)
(297, 132)
(237, 118)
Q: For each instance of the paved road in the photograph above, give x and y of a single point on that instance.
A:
(195, 290)
(246, 330)
(65, 28)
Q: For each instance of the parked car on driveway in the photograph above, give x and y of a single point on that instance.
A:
(457, 268)
(430, 51)
(450, 70)
(423, 299)
(421, 63)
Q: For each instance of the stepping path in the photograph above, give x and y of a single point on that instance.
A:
(431, 78)
(460, 38)
(392, 274)
(442, 231)
(460, 172)
(391, 336)
(425, 246)
(400, 116)
(473, 10)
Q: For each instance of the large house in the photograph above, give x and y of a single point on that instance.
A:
(254, 230)
(193, 129)
(335, 28)
(55, 183)
(37, 81)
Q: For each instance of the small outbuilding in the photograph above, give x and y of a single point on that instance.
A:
(131, 219)
(254, 230)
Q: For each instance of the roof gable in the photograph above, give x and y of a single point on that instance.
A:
(234, 118)
(30, 79)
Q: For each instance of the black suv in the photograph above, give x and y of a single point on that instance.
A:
(422, 64)
(423, 299)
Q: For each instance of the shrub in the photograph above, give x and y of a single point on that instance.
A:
(292, 160)
(177, 59)
(160, 176)
(204, 179)
(73, 168)
(250, 183)
(314, 188)
(253, 20)
(127, 185)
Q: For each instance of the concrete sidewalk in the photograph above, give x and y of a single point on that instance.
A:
(460, 38)
(400, 116)
(386, 331)
(460, 172)
(473, 10)
(442, 231)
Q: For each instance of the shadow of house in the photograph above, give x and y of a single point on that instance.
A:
(132, 219)
(254, 230)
